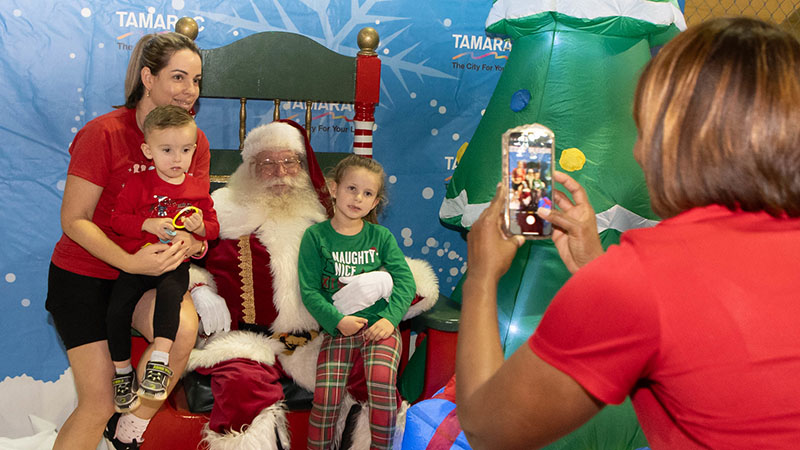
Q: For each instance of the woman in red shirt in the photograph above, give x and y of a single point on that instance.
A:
(697, 318)
(163, 69)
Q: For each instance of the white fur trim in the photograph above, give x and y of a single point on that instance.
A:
(362, 436)
(281, 236)
(301, 365)
(234, 344)
(659, 13)
(400, 427)
(199, 275)
(273, 136)
(341, 420)
(236, 219)
(259, 435)
(427, 287)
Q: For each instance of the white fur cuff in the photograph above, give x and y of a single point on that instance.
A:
(235, 344)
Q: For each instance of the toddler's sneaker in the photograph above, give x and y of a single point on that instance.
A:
(125, 398)
(155, 381)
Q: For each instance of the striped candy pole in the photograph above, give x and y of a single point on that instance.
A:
(362, 141)
(368, 85)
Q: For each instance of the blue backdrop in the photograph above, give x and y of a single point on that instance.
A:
(63, 63)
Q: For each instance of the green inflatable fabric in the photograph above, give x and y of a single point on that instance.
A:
(581, 74)
(580, 64)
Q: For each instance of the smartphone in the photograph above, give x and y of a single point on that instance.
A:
(528, 154)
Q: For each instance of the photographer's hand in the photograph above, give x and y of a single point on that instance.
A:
(489, 250)
(574, 226)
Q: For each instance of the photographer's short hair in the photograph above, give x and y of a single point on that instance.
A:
(169, 116)
(718, 113)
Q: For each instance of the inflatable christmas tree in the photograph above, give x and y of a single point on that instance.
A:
(573, 67)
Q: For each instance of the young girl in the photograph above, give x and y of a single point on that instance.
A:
(349, 244)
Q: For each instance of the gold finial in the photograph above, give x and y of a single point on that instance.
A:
(187, 27)
(368, 41)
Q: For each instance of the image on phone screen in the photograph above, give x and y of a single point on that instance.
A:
(530, 182)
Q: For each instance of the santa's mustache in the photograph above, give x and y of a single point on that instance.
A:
(295, 181)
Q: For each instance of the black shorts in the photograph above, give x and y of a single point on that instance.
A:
(79, 305)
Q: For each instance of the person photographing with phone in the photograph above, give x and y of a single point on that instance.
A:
(696, 319)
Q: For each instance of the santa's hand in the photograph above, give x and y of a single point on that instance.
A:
(362, 290)
(212, 309)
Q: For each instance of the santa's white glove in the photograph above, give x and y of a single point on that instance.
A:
(212, 309)
(362, 291)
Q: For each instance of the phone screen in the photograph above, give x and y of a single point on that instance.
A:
(528, 165)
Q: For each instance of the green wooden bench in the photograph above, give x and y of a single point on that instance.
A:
(287, 67)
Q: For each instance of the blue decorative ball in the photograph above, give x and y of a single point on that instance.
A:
(520, 99)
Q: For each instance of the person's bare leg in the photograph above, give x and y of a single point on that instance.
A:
(122, 364)
(93, 371)
(162, 344)
(181, 347)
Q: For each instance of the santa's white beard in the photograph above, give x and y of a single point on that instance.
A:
(297, 198)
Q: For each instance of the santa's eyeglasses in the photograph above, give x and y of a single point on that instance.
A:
(271, 165)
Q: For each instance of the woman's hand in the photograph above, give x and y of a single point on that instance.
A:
(575, 227)
(489, 250)
(193, 246)
(349, 325)
(155, 259)
(381, 329)
(77, 209)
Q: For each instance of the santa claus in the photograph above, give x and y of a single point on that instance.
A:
(248, 294)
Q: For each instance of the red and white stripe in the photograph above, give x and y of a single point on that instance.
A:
(362, 141)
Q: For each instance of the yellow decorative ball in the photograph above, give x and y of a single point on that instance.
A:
(572, 159)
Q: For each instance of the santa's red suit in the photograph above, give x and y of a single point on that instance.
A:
(253, 266)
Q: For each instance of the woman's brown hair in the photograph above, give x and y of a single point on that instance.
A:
(718, 113)
(152, 51)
